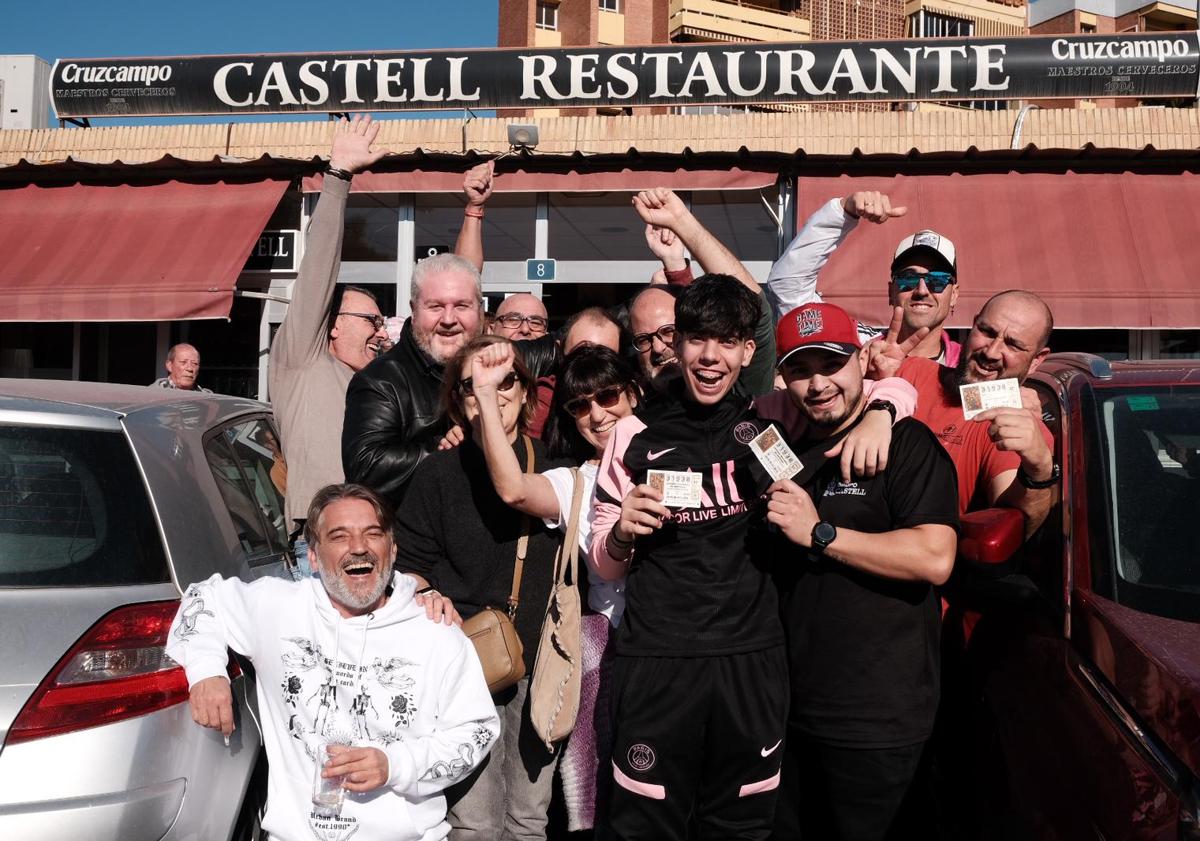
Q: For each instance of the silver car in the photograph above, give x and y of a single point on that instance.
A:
(112, 500)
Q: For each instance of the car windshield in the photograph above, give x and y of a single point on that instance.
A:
(1152, 453)
(74, 511)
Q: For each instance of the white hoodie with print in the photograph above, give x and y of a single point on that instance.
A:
(391, 679)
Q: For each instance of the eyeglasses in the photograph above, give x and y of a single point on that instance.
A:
(605, 398)
(935, 282)
(513, 320)
(643, 341)
(467, 387)
(377, 321)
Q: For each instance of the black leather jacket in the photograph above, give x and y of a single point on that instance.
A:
(393, 418)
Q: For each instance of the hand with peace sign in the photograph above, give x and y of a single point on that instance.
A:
(886, 355)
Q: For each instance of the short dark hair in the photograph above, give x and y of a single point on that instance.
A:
(334, 493)
(451, 396)
(335, 303)
(586, 370)
(717, 306)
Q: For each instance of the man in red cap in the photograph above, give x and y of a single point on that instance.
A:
(859, 607)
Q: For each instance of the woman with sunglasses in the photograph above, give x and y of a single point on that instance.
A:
(595, 389)
(454, 530)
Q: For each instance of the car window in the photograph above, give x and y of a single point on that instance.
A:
(248, 467)
(74, 511)
(1151, 445)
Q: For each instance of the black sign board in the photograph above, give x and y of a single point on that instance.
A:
(275, 251)
(1158, 64)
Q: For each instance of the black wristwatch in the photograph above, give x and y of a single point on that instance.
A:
(1035, 485)
(883, 404)
(823, 534)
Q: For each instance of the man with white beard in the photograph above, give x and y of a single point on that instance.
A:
(349, 665)
(393, 413)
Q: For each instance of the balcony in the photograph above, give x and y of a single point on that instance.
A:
(732, 20)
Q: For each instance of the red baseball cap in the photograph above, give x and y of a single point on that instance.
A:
(822, 326)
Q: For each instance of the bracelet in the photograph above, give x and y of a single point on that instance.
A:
(620, 545)
(428, 590)
(343, 174)
(478, 214)
(1039, 484)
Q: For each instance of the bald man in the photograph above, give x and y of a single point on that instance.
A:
(521, 317)
(183, 367)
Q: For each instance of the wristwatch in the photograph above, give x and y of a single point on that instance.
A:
(1035, 485)
(823, 534)
(883, 404)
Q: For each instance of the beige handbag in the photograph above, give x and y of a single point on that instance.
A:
(491, 631)
(554, 687)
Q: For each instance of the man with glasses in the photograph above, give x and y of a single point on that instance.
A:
(330, 332)
(923, 275)
(521, 317)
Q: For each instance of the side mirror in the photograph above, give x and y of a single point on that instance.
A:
(991, 536)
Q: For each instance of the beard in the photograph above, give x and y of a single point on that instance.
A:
(338, 587)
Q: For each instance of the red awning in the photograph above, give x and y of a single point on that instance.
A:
(423, 181)
(150, 252)
(1104, 251)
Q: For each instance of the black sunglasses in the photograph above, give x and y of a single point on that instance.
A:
(377, 321)
(935, 282)
(665, 334)
(605, 398)
(467, 387)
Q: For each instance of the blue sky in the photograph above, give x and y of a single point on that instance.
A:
(95, 28)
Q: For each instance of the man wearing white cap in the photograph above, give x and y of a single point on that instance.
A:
(924, 272)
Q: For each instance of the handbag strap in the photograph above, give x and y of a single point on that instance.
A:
(523, 540)
(571, 541)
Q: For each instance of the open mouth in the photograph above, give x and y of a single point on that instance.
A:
(985, 370)
(358, 568)
(374, 347)
(604, 427)
(708, 382)
(822, 402)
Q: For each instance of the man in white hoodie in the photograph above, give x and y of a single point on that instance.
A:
(349, 660)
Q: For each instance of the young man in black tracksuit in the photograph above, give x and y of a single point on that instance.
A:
(700, 680)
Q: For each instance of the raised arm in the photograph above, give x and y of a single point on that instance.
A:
(529, 493)
(792, 281)
(663, 209)
(477, 187)
(301, 337)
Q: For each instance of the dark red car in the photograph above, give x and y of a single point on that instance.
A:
(1086, 660)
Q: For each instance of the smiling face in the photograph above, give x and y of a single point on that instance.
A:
(354, 339)
(710, 366)
(446, 314)
(597, 424)
(923, 308)
(184, 366)
(1005, 341)
(651, 311)
(354, 553)
(825, 386)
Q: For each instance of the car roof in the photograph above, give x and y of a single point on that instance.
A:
(1104, 373)
(106, 405)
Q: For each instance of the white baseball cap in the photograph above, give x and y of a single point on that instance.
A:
(929, 243)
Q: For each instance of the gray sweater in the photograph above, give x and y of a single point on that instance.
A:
(308, 385)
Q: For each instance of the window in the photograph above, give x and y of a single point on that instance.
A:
(248, 466)
(1150, 450)
(610, 6)
(739, 219)
(547, 16)
(372, 227)
(74, 511)
(927, 24)
(596, 227)
(508, 227)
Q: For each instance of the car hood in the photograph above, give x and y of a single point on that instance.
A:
(41, 624)
(1155, 664)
